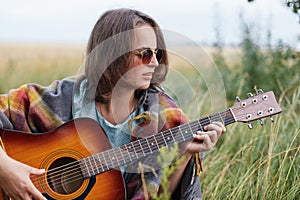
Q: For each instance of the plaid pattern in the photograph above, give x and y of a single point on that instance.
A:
(33, 108)
(29, 107)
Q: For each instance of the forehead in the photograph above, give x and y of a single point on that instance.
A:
(144, 37)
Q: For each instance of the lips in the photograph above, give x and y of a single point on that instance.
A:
(148, 75)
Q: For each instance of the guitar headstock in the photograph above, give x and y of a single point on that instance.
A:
(256, 107)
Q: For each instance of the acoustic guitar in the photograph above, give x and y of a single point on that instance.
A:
(80, 163)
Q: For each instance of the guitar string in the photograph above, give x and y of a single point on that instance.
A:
(139, 150)
(226, 112)
(70, 180)
(112, 163)
(71, 163)
(80, 177)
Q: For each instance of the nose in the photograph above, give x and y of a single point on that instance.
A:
(153, 62)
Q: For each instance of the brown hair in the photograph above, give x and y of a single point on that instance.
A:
(109, 46)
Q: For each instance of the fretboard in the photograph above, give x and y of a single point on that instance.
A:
(121, 156)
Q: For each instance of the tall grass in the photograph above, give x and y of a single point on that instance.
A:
(262, 163)
(39, 63)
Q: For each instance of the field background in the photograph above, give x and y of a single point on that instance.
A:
(262, 163)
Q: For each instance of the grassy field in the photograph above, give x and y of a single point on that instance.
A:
(262, 163)
(24, 63)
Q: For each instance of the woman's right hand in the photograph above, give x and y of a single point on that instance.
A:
(15, 179)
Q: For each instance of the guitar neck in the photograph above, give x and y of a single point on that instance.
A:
(116, 157)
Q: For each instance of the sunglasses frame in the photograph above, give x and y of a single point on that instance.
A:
(141, 54)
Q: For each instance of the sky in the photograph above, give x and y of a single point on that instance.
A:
(71, 21)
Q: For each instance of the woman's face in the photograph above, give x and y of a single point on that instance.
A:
(139, 75)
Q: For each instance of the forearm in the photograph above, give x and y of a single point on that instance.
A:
(3, 160)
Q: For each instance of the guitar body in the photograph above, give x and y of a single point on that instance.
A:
(60, 150)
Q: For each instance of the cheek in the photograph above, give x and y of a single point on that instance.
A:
(134, 72)
(136, 62)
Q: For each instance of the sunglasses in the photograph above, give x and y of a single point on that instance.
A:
(146, 55)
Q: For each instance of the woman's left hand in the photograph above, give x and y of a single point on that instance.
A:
(206, 140)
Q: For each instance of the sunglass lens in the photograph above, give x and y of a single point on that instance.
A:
(147, 56)
(159, 55)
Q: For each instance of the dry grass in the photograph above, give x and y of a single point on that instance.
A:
(23, 63)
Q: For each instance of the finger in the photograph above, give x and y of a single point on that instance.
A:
(35, 193)
(26, 197)
(198, 136)
(211, 135)
(206, 143)
(220, 124)
(214, 127)
(36, 171)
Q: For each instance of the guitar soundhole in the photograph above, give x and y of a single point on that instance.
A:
(64, 175)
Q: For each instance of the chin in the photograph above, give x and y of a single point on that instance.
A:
(145, 86)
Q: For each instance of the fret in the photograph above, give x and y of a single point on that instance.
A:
(126, 151)
(111, 158)
(177, 136)
(104, 157)
(166, 144)
(191, 130)
(83, 168)
(122, 156)
(107, 159)
(86, 167)
(148, 145)
(115, 157)
(218, 117)
(145, 146)
(204, 121)
(173, 135)
(200, 125)
(90, 164)
(87, 171)
(153, 143)
(169, 137)
(221, 118)
(105, 162)
(213, 118)
(96, 165)
(99, 160)
(141, 147)
(209, 119)
(156, 141)
(230, 116)
(181, 133)
(132, 146)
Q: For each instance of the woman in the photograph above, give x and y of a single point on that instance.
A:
(125, 64)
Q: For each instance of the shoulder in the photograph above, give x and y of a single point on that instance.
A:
(170, 113)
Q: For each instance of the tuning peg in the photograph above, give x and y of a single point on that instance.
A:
(272, 119)
(249, 95)
(260, 91)
(238, 99)
(261, 122)
(250, 125)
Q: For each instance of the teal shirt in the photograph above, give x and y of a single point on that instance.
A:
(118, 134)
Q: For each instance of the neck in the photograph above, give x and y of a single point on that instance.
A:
(119, 107)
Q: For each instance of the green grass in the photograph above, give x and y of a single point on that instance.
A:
(262, 163)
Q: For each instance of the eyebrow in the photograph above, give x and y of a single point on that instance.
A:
(143, 48)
